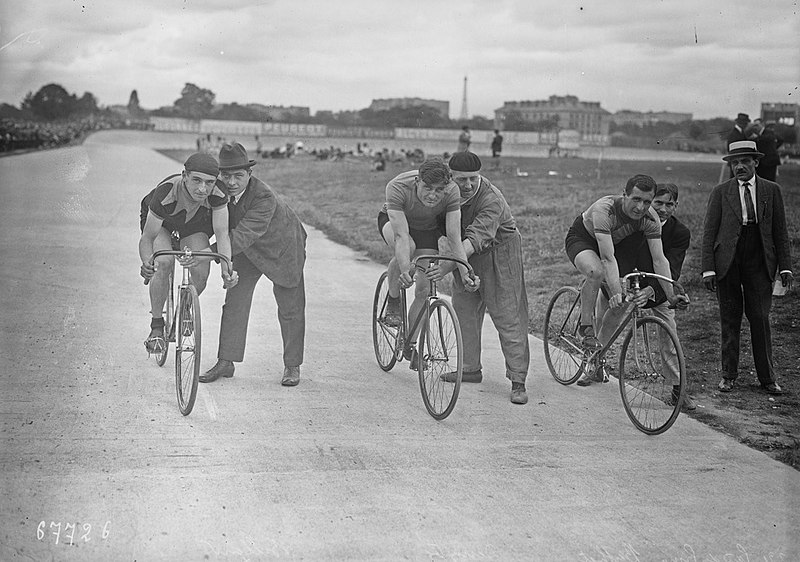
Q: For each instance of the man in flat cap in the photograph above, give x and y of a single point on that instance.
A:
(494, 248)
(745, 242)
(184, 210)
(267, 239)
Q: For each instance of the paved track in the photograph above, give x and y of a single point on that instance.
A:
(347, 465)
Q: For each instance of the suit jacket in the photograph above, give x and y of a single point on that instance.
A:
(723, 226)
(675, 238)
(266, 230)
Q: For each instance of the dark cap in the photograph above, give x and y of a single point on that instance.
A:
(465, 162)
(203, 163)
(743, 118)
(234, 157)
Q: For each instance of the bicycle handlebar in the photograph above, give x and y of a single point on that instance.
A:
(437, 257)
(189, 253)
(645, 274)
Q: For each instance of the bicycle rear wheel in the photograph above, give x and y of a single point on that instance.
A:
(440, 353)
(169, 307)
(652, 375)
(562, 345)
(386, 339)
(187, 349)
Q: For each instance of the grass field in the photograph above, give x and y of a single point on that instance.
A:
(342, 199)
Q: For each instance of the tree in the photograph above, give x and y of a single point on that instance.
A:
(50, 102)
(87, 104)
(195, 102)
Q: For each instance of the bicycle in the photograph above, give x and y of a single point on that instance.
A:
(439, 348)
(651, 400)
(182, 327)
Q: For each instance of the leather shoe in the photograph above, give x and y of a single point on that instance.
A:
(466, 376)
(291, 376)
(518, 394)
(772, 388)
(726, 385)
(223, 368)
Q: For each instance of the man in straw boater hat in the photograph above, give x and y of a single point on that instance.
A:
(267, 239)
(745, 242)
(493, 246)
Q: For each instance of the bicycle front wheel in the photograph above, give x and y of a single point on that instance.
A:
(187, 352)
(562, 343)
(652, 375)
(169, 307)
(386, 339)
(441, 360)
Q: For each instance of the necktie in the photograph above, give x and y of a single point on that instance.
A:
(748, 202)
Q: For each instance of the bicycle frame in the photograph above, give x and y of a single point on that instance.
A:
(635, 312)
(424, 312)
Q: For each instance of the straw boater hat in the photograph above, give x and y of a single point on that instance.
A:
(742, 148)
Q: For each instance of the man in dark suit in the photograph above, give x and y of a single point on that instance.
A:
(737, 133)
(267, 239)
(745, 242)
(768, 143)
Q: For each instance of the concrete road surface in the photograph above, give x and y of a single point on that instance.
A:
(98, 464)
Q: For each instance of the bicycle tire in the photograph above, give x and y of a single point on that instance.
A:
(187, 349)
(440, 352)
(169, 305)
(385, 339)
(647, 394)
(563, 350)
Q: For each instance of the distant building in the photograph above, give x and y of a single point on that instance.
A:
(786, 113)
(642, 118)
(586, 117)
(441, 107)
(279, 112)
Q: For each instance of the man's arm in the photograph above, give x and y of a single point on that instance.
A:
(711, 224)
(675, 252)
(402, 242)
(254, 224)
(152, 227)
(610, 267)
(661, 267)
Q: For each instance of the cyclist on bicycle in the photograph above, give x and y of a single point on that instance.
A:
(633, 253)
(194, 205)
(592, 240)
(410, 223)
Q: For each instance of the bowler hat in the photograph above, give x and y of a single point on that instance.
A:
(742, 148)
(234, 157)
(743, 118)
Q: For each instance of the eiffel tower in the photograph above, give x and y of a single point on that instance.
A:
(464, 114)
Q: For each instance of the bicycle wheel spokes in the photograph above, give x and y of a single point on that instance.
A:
(652, 375)
(563, 350)
(440, 360)
(385, 338)
(187, 352)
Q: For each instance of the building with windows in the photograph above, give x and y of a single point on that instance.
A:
(643, 118)
(566, 112)
(785, 113)
(441, 107)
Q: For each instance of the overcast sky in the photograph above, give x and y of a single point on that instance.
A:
(711, 58)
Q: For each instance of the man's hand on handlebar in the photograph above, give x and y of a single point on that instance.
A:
(681, 302)
(406, 279)
(472, 283)
(640, 296)
(229, 280)
(147, 270)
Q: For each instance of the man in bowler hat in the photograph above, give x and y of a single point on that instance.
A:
(267, 239)
(745, 242)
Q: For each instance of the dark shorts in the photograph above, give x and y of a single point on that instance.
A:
(626, 251)
(200, 222)
(423, 239)
(578, 239)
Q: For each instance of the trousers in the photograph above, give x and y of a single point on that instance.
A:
(291, 303)
(502, 293)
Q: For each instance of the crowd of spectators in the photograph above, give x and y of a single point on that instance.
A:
(23, 135)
